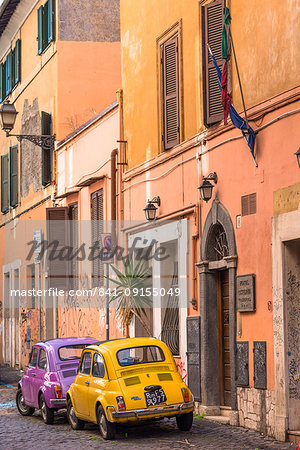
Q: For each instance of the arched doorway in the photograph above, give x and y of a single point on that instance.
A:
(217, 270)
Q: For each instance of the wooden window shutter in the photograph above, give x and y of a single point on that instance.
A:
(4, 184)
(8, 73)
(58, 233)
(17, 62)
(170, 82)
(74, 242)
(248, 204)
(212, 25)
(46, 124)
(97, 230)
(40, 29)
(2, 84)
(14, 179)
(50, 21)
(45, 25)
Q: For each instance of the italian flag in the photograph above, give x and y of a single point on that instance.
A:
(226, 86)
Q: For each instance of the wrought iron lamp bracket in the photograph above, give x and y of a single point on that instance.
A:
(212, 177)
(43, 141)
(155, 200)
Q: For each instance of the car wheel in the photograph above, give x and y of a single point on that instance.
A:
(106, 428)
(185, 421)
(23, 409)
(47, 413)
(76, 424)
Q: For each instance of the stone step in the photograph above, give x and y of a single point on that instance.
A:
(219, 419)
(294, 436)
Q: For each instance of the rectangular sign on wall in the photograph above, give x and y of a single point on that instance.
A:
(245, 292)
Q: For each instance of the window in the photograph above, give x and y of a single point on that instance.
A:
(74, 243)
(212, 25)
(97, 230)
(33, 357)
(46, 125)
(248, 204)
(170, 93)
(140, 355)
(31, 282)
(10, 71)
(4, 184)
(85, 366)
(14, 182)
(69, 352)
(98, 366)
(45, 25)
(42, 361)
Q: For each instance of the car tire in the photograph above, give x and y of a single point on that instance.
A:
(76, 424)
(23, 409)
(106, 428)
(47, 413)
(185, 421)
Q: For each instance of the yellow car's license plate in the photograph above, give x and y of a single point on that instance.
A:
(156, 397)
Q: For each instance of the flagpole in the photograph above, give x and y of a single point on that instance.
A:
(238, 74)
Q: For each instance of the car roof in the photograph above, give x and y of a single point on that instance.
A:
(117, 344)
(59, 342)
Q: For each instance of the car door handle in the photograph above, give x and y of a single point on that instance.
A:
(33, 374)
(87, 383)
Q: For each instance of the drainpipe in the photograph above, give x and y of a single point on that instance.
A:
(113, 218)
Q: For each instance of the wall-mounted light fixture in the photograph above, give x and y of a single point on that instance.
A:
(8, 116)
(298, 156)
(150, 209)
(206, 187)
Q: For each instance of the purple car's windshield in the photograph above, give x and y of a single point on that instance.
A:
(68, 352)
(140, 355)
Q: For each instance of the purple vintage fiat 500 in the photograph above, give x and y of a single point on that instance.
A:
(52, 368)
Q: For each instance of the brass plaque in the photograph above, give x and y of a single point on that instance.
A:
(245, 292)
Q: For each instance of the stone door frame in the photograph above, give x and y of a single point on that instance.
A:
(208, 273)
(285, 227)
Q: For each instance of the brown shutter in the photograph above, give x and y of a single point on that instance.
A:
(74, 242)
(169, 60)
(57, 258)
(212, 25)
(248, 204)
(46, 124)
(97, 230)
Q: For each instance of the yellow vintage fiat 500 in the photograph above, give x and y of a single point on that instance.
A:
(128, 380)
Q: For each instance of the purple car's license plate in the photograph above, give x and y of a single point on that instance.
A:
(156, 397)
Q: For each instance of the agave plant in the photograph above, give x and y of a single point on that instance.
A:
(130, 292)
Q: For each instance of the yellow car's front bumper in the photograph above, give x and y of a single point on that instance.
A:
(160, 411)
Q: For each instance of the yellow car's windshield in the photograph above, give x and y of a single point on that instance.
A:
(140, 355)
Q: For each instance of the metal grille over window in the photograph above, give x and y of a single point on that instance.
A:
(217, 246)
(170, 327)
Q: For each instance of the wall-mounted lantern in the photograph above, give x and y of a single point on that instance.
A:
(8, 115)
(150, 209)
(206, 187)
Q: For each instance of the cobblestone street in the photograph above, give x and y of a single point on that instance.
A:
(17, 432)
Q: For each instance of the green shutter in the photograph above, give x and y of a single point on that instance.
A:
(3, 80)
(40, 30)
(45, 25)
(12, 69)
(50, 24)
(4, 183)
(2, 94)
(14, 182)
(17, 61)
(8, 80)
(46, 152)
